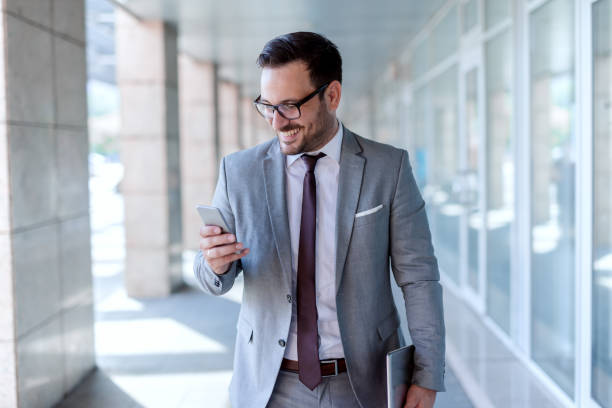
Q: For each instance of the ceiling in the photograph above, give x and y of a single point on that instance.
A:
(369, 34)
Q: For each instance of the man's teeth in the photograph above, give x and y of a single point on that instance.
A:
(290, 133)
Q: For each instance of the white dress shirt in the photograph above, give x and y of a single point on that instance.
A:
(326, 174)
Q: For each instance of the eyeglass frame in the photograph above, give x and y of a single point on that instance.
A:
(297, 104)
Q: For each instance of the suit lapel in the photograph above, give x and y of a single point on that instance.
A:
(274, 176)
(349, 188)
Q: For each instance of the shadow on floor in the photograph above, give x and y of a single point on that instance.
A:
(97, 390)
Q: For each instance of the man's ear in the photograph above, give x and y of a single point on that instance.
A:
(333, 94)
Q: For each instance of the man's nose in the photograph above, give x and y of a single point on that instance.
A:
(278, 122)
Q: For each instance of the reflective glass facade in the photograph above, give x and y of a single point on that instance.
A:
(601, 383)
(553, 189)
(500, 175)
(516, 174)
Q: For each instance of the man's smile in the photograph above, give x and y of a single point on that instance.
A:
(289, 136)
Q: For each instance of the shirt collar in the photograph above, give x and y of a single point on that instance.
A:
(331, 149)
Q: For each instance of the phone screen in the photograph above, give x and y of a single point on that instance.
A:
(212, 216)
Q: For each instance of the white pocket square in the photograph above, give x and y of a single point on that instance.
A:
(367, 212)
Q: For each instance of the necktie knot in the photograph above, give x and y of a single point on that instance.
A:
(311, 161)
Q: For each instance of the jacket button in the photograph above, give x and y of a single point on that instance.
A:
(289, 298)
(281, 343)
(217, 283)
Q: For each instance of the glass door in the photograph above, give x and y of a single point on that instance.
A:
(601, 289)
(471, 180)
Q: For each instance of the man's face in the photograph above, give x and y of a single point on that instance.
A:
(290, 83)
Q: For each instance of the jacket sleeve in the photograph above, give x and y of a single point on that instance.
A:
(415, 269)
(209, 281)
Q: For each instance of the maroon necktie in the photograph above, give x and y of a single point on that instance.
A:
(308, 334)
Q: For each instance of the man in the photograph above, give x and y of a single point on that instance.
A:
(317, 316)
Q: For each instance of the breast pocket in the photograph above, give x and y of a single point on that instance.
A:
(369, 216)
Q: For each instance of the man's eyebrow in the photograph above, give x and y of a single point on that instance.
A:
(281, 102)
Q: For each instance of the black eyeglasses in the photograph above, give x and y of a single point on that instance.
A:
(288, 111)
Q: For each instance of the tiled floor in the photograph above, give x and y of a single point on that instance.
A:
(491, 374)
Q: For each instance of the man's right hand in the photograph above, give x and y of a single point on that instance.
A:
(219, 249)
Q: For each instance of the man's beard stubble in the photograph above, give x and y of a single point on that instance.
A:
(323, 126)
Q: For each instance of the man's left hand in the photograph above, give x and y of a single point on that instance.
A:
(419, 397)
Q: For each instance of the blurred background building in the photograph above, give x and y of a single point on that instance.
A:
(115, 114)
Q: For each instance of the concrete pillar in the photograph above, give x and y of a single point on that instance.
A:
(247, 112)
(229, 128)
(256, 120)
(46, 299)
(147, 79)
(263, 131)
(198, 118)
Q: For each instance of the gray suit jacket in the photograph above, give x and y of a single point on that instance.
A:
(251, 195)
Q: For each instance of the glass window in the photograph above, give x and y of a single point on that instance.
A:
(469, 12)
(471, 191)
(500, 175)
(419, 159)
(602, 204)
(495, 12)
(442, 147)
(552, 190)
(386, 112)
(405, 137)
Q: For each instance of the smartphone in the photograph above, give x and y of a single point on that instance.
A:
(212, 216)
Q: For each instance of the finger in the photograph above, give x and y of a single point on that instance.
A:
(209, 230)
(222, 250)
(213, 241)
(224, 260)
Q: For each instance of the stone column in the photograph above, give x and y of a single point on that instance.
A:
(147, 79)
(247, 132)
(46, 299)
(229, 129)
(198, 123)
(263, 131)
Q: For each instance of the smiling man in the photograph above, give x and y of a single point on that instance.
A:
(324, 213)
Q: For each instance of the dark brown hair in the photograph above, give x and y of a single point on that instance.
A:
(320, 55)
